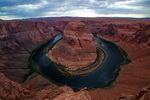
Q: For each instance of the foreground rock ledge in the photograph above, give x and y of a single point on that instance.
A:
(77, 49)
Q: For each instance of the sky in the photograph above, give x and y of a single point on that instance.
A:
(20, 9)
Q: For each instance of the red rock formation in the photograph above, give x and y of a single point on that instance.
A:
(70, 95)
(142, 36)
(11, 90)
(124, 30)
(137, 72)
(146, 96)
(18, 38)
(77, 49)
(36, 82)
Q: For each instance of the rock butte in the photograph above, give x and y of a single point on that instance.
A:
(77, 49)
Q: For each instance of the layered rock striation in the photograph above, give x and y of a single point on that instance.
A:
(18, 38)
(11, 90)
(77, 49)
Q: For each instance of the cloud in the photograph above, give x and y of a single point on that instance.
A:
(140, 3)
(81, 8)
(123, 7)
(25, 9)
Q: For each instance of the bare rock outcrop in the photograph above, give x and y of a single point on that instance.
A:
(11, 90)
(77, 49)
(18, 39)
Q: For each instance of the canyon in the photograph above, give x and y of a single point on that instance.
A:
(19, 38)
(76, 50)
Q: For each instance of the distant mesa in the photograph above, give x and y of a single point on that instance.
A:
(76, 50)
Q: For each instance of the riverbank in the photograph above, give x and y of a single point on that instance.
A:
(85, 70)
(104, 70)
(31, 65)
(132, 76)
(118, 67)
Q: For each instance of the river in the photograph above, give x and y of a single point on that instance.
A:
(98, 78)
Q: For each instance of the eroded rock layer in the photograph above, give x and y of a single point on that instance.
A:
(77, 49)
(11, 90)
(18, 38)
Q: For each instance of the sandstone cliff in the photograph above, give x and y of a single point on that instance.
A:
(11, 90)
(77, 49)
(18, 38)
(123, 30)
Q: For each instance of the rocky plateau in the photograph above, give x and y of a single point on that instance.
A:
(19, 38)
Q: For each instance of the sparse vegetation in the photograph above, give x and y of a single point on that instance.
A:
(116, 72)
(32, 66)
(81, 71)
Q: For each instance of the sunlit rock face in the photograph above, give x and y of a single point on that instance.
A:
(77, 49)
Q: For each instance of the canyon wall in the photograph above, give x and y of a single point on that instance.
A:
(11, 90)
(122, 30)
(19, 38)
